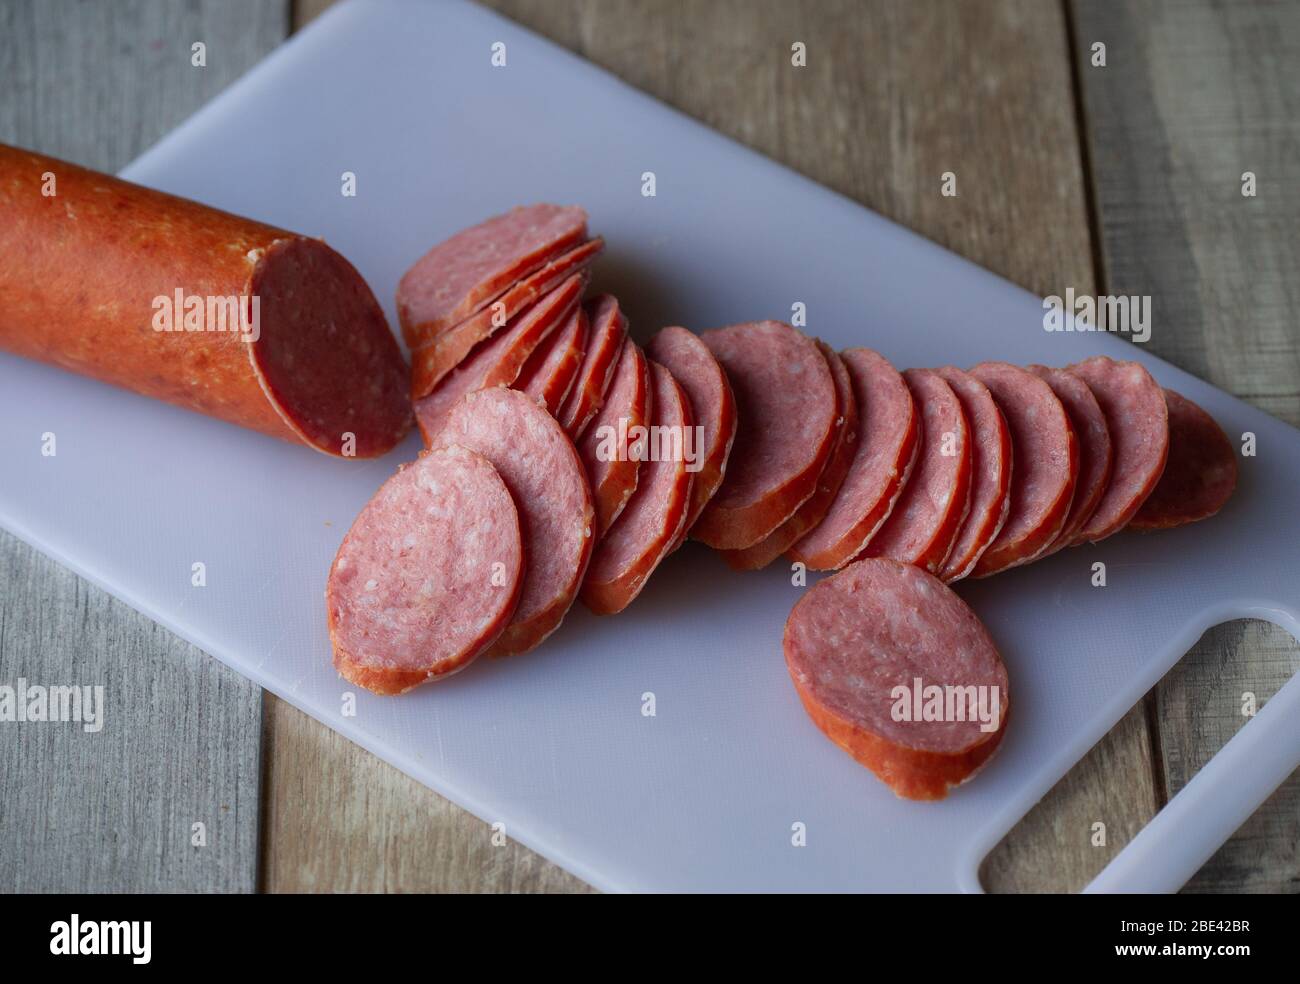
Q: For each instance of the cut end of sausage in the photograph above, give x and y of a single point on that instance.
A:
(608, 448)
(429, 574)
(325, 356)
(606, 335)
(897, 670)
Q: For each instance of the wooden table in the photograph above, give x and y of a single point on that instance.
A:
(1119, 178)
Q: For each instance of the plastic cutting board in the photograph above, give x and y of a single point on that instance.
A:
(704, 794)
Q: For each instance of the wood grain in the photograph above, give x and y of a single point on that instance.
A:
(112, 811)
(893, 95)
(1193, 94)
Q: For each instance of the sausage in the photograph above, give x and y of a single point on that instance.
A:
(608, 329)
(655, 516)
(1138, 420)
(705, 383)
(1201, 472)
(429, 574)
(1046, 466)
(857, 637)
(785, 402)
(808, 515)
(92, 272)
(1095, 454)
(465, 273)
(991, 465)
(929, 512)
(609, 448)
(499, 361)
(551, 369)
(541, 469)
(434, 358)
(888, 443)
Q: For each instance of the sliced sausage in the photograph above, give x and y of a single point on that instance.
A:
(429, 574)
(550, 370)
(499, 360)
(864, 646)
(608, 329)
(648, 528)
(610, 449)
(785, 402)
(1201, 472)
(1046, 467)
(541, 469)
(434, 358)
(202, 309)
(808, 515)
(693, 366)
(887, 447)
(991, 465)
(1138, 420)
(929, 513)
(1095, 455)
(463, 274)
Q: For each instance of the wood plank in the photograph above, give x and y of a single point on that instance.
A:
(112, 811)
(893, 95)
(1193, 94)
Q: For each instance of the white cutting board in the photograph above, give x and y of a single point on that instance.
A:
(703, 795)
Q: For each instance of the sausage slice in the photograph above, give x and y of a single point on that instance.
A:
(871, 648)
(609, 449)
(991, 464)
(499, 361)
(434, 358)
(929, 513)
(832, 477)
(785, 399)
(429, 574)
(549, 373)
(705, 383)
(1095, 454)
(608, 329)
(887, 447)
(1138, 420)
(651, 525)
(1046, 466)
(463, 274)
(1200, 475)
(539, 466)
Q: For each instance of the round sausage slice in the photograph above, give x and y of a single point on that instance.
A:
(608, 329)
(1138, 420)
(991, 464)
(887, 447)
(550, 370)
(649, 527)
(785, 400)
(895, 669)
(1095, 455)
(539, 466)
(1046, 466)
(929, 513)
(205, 310)
(429, 574)
(499, 361)
(1200, 475)
(612, 446)
(705, 383)
(463, 274)
(434, 358)
(832, 477)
